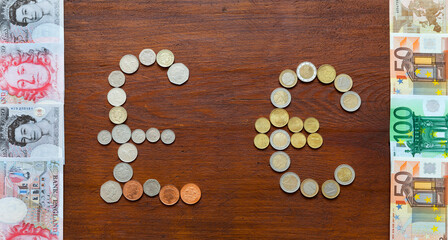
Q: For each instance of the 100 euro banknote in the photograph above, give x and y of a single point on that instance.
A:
(39, 185)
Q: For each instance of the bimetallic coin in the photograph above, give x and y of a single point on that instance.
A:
(280, 139)
(111, 192)
(288, 78)
(165, 58)
(116, 97)
(330, 189)
(306, 72)
(178, 73)
(326, 73)
(343, 83)
(132, 190)
(138, 136)
(104, 137)
(123, 172)
(298, 140)
(344, 174)
(279, 117)
(262, 125)
(311, 125)
(309, 188)
(168, 136)
(290, 182)
(295, 124)
(116, 79)
(121, 133)
(118, 115)
(190, 193)
(315, 140)
(147, 57)
(151, 187)
(129, 64)
(169, 195)
(280, 98)
(279, 161)
(350, 101)
(261, 141)
(153, 135)
(127, 152)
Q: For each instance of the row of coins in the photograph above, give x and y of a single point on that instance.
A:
(307, 72)
(121, 134)
(111, 192)
(290, 182)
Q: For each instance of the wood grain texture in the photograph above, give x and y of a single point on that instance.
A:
(235, 51)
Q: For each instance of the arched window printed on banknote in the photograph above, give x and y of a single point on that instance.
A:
(34, 131)
(31, 73)
(31, 21)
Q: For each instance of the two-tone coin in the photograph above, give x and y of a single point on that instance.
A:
(121, 133)
(309, 188)
(178, 73)
(116, 79)
(261, 141)
(168, 136)
(280, 139)
(118, 115)
(350, 101)
(151, 187)
(129, 64)
(326, 73)
(295, 124)
(138, 136)
(298, 140)
(280, 98)
(147, 57)
(315, 140)
(132, 190)
(262, 125)
(190, 193)
(288, 78)
(165, 58)
(127, 152)
(123, 172)
(279, 161)
(111, 192)
(290, 182)
(116, 97)
(330, 189)
(169, 195)
(344, 174)
(104, 137)
(306, 72)
(311, 125)
(153, 135)
(279, 117)
(343, 83)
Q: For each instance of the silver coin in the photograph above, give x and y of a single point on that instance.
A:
(168, 136)
(280, 98)
(116, 79)
(350, 101)
(290, 182)
(116, 97)
(111, 192)
(121, 133)
(151, 187)
(306, 72)
(280, 139)
(129, 64)
(344, 174)
(279, 161)
(127, 152)
(147, 57)
(104, 137)
(123, 172)
(165, 58)
(138, 136)
(153, 135)
(178, 73)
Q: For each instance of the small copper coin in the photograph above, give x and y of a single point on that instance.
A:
(169, 195)
(132, 190)
(190, 193)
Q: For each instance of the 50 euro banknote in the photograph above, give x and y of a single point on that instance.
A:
(39, 184)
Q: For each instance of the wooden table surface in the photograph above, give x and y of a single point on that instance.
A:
(235, 51)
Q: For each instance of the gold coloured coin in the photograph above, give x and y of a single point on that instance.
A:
(309, 188)
(261, 141)
(262, 125)
(279, 117)
(350, 101)
(298, 140)
(288, 78)
(311, 125)
(326, 73)
(295, 124)
(343, 83)
(165, 58)
(330, 189)
(315, 140)
(118, 115)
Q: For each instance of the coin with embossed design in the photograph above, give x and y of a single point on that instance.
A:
(165, 58)
(132, 190)
(129, 64)
(190, 193)
(169, 195)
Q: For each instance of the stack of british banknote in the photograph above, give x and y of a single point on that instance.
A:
(31, 119)
(418, 119)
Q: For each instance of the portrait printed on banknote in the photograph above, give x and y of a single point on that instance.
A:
(418, 16)
(31, 21)
(31, 73)
(31, 131)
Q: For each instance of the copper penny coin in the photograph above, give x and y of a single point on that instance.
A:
(169, 195)
(190, 193)
(132, 190)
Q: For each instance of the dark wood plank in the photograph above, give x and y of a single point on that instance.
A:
(235, 51)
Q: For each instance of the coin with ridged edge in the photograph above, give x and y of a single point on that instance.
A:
(118, 115)
(311, 125)
(279, 117)
(280, 139)
(309, 188)
(104, 137)
(350, 101)
(151, 187)
(116, 78)
(330, 189)
(127, 152)
(315, 140)
(165, 58)
(280, 161)
(288, 78)
(290, 182)
(147, 57)
(326, 74)
(261, 141)
(129, 64)
(168, 136)
(123, 172)
(280, 98)
(298, 140)
(138, 136)
(153, 135)
(262, 125)
(343, 83)
(295, 124)
(344, 174)
(306, 72)
(111, 191)
(121, 133)
(116, 97)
